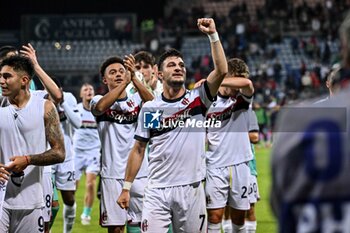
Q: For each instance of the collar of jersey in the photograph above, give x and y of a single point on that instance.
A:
(223, 96)
(173, 100)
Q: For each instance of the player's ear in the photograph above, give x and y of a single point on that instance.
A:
(25, 80)
(160, 75)
(104, 81)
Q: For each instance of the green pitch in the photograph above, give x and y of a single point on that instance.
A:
(266, 221)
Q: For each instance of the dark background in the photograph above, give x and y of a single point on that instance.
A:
(12, 10)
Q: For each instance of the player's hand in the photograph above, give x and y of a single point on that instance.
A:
(4, 174)
(206, 25)
(124, 199)
(29, 52)
(154, 76)
(129, 63)
(19, 163)
(199, 83)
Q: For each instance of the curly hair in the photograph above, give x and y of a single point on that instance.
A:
(108, 62)
(238, 68)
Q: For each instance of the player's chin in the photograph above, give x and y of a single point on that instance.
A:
(177, 83)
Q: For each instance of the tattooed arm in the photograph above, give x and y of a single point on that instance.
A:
(55, 138)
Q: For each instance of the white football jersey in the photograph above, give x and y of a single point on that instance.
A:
(116, 128)
(176, 149)
(22, 132)
(86, 137)
(229, 145)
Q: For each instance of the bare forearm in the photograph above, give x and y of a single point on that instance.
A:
(244, 84)
(143, 91)
(133, 166)
(219, 59)
(220, 67)
(49, 157)
(49, 84)
(108, 99)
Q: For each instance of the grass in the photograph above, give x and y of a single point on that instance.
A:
(266, 221)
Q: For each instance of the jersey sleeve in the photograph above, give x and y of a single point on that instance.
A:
(142, 134)
(253, 121)
(93, 103)
(70, 107)
(205, 95)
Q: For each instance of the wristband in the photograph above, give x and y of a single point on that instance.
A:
(213, 37)
(26, 156)
(127, 185)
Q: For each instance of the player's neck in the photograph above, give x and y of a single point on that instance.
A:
(86, 104)
(21, 99)
(174, 93)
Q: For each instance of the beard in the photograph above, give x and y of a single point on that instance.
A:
(175, 83)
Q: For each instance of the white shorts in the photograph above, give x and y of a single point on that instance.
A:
(183, 206)
(64, 175)
(48, 193)
(228, 186)
(22, 221)
(65, 172)
(254, 195)
(111, 214)
(86, 160)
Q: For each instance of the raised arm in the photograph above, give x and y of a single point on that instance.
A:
(134, 163)
(129, 62)
(245, 85)
(70, 107)
(108, 99)
(207, 26)
(51, 87)
(54, 137)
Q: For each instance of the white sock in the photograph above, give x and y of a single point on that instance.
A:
(68, 217)
(214, 227)
(250, 226)
(226, 222)
(227, 225)
(238, 228)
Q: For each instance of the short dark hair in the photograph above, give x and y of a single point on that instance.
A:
(108, 62)
(19, 63)
(146, 57)
(238, 68)
(4, 50)
(166, 54)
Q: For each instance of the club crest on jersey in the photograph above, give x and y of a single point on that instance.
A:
(185, 101)
(130, 103)
(144, 225)
(152, 120)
